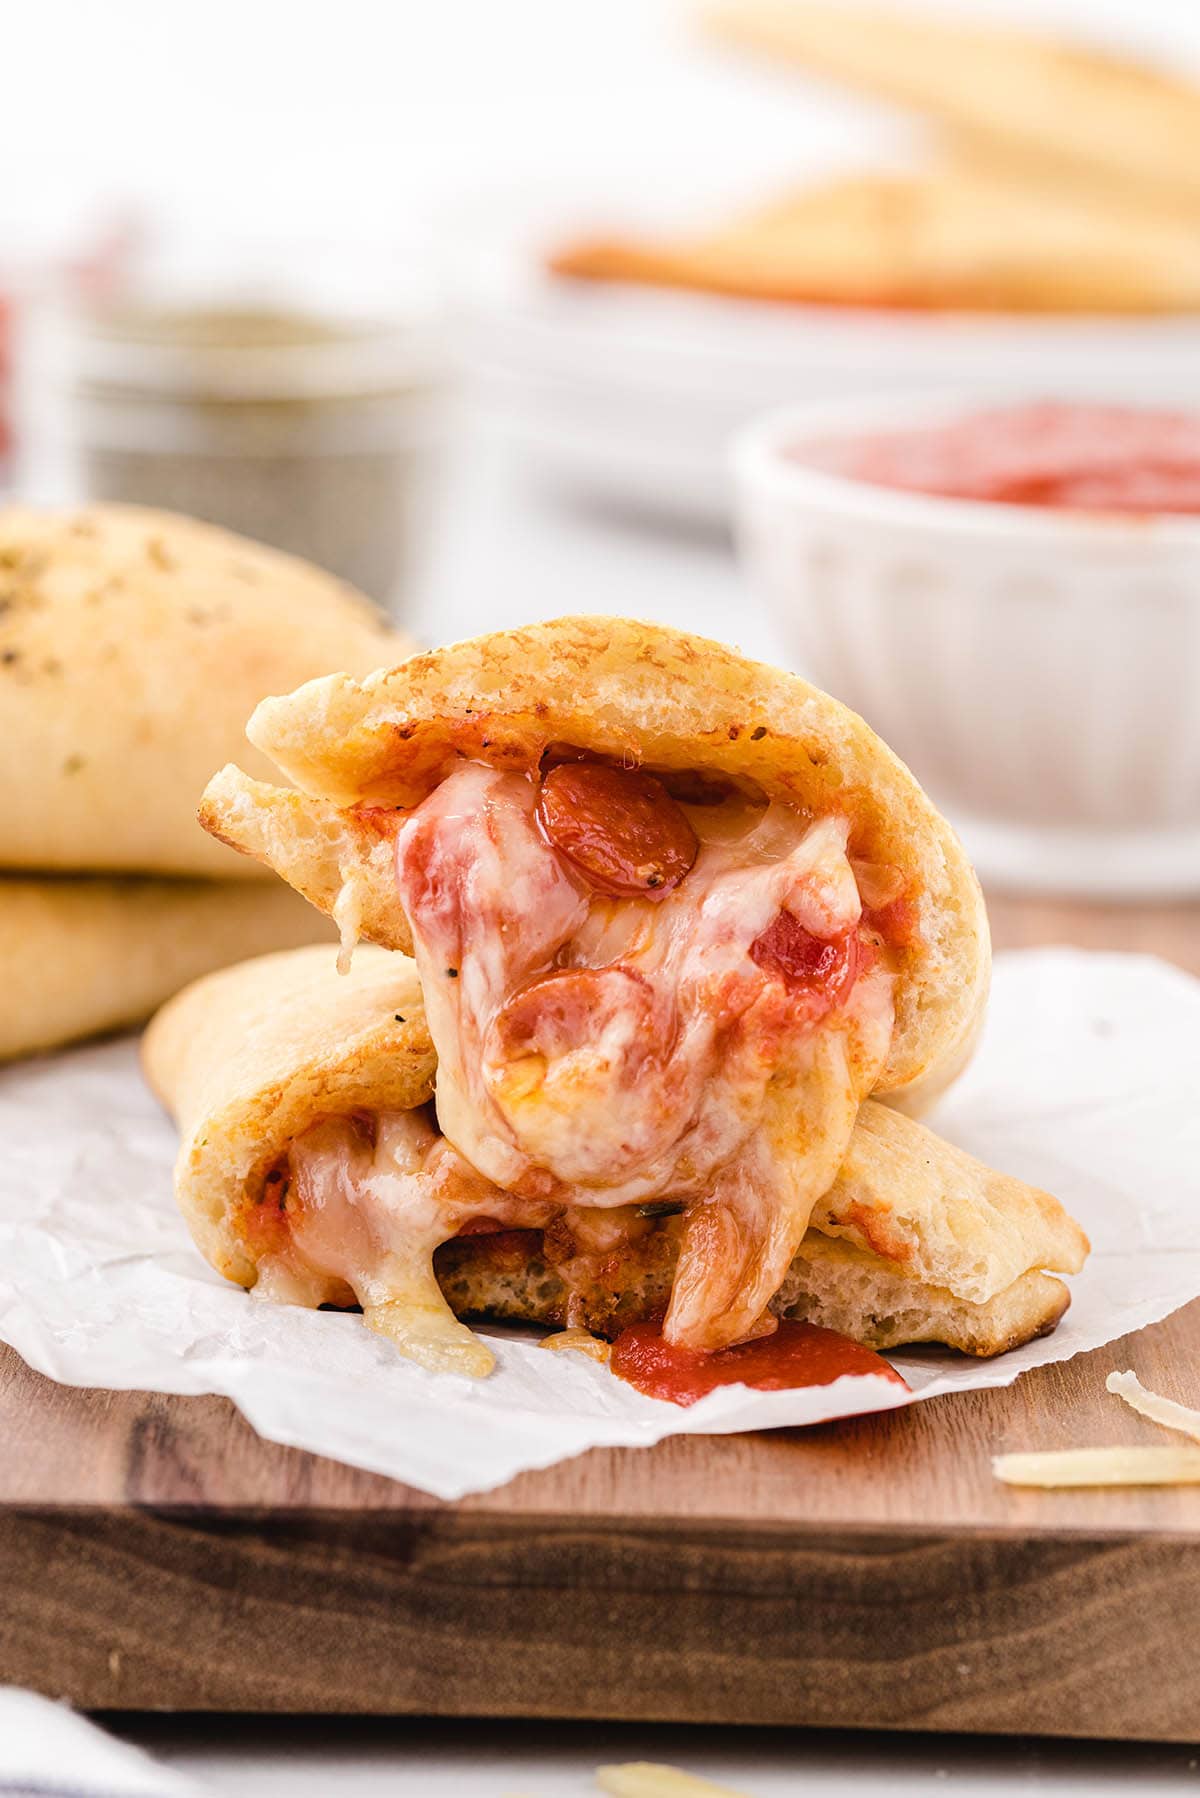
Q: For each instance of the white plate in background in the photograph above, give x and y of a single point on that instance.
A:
(631, 395)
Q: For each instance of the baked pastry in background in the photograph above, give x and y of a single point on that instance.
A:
(1061, 179)
(966, 236)
(85, 954)
(133, 647)
(1060, 110)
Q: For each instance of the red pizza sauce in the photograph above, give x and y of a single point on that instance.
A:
(796, 1355)
(818, 972)
(263, 1225)
(1087, 458)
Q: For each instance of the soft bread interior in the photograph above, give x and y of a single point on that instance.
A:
(332, 856)
(829, 1283)
(644, 695)
(250, 1058)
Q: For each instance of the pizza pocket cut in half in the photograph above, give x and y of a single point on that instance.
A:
(675, 915)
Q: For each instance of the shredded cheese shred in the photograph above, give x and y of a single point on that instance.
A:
(647, 1779)
(1059, 1468)
(1101, 1467)
(1166, 1411)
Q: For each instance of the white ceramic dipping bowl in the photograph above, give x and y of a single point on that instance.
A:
(1038, 669)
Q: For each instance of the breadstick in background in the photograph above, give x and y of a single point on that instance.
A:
(1066, 106)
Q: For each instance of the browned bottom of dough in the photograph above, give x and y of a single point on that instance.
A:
(509, 1276)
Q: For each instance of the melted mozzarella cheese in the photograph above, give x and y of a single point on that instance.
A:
(489, 906)
(367, 1207)
(599, 1053)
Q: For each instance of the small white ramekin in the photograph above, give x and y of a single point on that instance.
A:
(1039, 670)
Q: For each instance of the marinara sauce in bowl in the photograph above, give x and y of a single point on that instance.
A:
(1010, 594)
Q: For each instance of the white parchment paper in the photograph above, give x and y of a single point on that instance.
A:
(1087, 1083)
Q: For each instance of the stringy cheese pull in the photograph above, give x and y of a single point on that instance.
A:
(604, 1050)
(347, 915)
(646, 1779)
(369, 1208)
(581, 1340)
(1152, 1405)
(1101, 1467)
(427, 1332)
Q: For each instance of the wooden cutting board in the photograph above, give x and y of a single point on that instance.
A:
(155, 1553)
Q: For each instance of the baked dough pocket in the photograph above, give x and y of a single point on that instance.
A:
(133, 644)
(675, 918)
(675, 915)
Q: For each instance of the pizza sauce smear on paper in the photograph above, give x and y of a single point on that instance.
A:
(794, 1355)
(1052, 454)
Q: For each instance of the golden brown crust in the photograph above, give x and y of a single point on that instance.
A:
(251, 1057)
(614, 687)
(939, 1216)
(133, 645)
(81, 955)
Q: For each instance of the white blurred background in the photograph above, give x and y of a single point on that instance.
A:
(367, 117)
(377, 134)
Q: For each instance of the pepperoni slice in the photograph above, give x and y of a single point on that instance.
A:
(818, 969)
(619, 827)
(565, 1009)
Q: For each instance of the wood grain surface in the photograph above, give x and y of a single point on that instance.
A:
(155, 1553)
